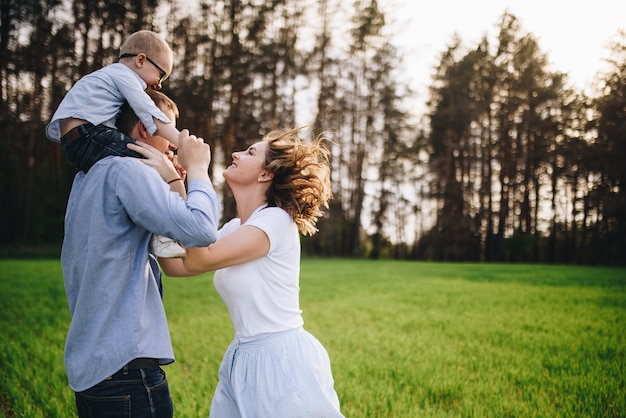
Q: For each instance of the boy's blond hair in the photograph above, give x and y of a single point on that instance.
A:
(146, 41)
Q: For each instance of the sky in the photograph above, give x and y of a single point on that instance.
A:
(573, 33)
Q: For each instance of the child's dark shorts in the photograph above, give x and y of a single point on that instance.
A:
(87, 144)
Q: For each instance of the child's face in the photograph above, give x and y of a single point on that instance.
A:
(154, 70)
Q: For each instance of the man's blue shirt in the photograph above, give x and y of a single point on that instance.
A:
(110, 276)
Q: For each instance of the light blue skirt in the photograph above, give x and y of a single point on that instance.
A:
(282, 375)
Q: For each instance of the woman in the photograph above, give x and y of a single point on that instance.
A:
(273, 367)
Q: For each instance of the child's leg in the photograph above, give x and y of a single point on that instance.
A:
(87, 144)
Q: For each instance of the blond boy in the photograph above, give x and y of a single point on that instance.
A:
(84, 122)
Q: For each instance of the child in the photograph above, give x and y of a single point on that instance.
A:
(84, 122)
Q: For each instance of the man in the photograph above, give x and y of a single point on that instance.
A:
(118, 336)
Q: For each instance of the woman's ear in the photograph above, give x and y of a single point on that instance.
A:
(265, 176)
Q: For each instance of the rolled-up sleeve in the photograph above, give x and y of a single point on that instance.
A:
(150, 204)
(202, 199)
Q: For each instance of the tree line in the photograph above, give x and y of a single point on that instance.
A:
(508, 164)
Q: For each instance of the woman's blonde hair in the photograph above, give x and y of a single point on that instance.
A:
(301, 184)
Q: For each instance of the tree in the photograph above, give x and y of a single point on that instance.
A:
(451, 114)
(362, 111)
(494, 119)
(611, 149)
(392, 158)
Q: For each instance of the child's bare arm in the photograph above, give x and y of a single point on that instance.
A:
(167, 131)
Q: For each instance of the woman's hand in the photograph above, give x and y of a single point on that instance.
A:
(182, 173)
(157, 160)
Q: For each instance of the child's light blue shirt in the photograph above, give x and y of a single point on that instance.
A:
(98, 97)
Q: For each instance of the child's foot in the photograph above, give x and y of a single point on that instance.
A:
(166, 247)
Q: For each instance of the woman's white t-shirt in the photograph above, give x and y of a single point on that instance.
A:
(262, 295)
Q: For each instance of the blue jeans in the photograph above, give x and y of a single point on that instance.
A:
(94, 143)
(140, 393)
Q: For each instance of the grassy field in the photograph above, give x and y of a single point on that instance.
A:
(406, 339)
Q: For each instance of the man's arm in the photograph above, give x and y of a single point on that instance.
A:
(192, 222)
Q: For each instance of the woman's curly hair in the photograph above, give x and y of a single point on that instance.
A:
(301, 184)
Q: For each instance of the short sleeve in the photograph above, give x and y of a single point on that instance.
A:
(277, 225)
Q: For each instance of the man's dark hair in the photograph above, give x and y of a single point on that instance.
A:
(127, 119)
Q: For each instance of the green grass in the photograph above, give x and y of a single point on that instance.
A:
(406, 339)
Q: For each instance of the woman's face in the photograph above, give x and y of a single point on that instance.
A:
(247, 165)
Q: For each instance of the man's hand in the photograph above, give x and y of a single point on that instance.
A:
(194, 155)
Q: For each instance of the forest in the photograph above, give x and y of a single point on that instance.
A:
(509, 163)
